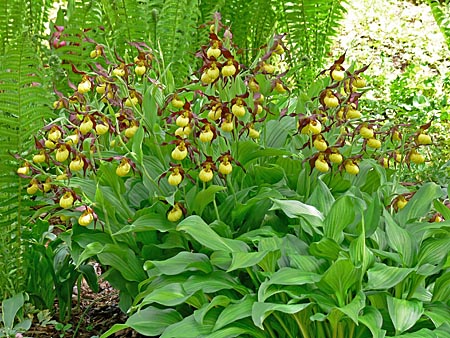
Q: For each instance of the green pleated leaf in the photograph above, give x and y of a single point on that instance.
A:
(400, 240)
(168, 295)
(441, 291)
(202, 233)
(372, 216)
(91, 249)
(150, 221)
(321, 197)
(287, 276)
(181, 262)
(434, 251)
(114, 329)
(187, 328)
(217, 301)
(325, 248)
(420, 203)
(246, 259)
(353, 309)
(249, 150)
(382, 276)
(442, 208)
(268, 174)
(152, 321)
(439, 313)
(404, 313)
(339, 278)
(341, 215)
(213, 282)
(277, 131)
(124, 260)
(235, 311)
(204, 197)
(260, 311)
(296, 209)
(373, 320)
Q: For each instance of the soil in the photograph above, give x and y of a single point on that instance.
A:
(92, 315)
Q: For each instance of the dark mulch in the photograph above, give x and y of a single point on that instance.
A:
(93, 315)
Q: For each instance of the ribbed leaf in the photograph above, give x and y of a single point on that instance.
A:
(202, 233)
(260, 311)
(183, 261)
(382, 277)
(404, 313)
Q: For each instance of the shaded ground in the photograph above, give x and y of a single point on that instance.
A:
(94, 315)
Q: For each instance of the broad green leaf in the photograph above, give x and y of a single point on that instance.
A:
(434, 250)
(442, 208)
(246, 259)
(287, 276)
(353, 309)
(339, 278)
(114, 329)
(420, 203)
(373, 320)
(150, 221)
(441, 291)
(234, 331)
(267, 174)
(204, 197)
(277, 131)
(187, 328)
(213, 282)
(400, 240)
(372, 215)
(215, 302)
(235, 311)
(383, 277)
(325, 248)
(181, 262)
(321, 197)
(202, 233)
(297, 209)
(221, 259)
(249, 150)
(89, 274)
(423, 333)
(10, 307)
(124, 260)
(360, 254)
(307, 263)
(260, 311)
(438, 312)
(168, 295)
(152, 321)
(404, 313)
(341, 215)
(91, 249)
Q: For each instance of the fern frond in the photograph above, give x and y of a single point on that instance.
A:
(176, 31)
(311, 26)
(24, 105)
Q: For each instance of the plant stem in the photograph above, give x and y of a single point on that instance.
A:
(283, 325)
(269, 329)
(301, 326)
(216, 209)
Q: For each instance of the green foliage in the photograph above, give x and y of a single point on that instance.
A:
(11, 310)
(24, 104)
(232, 208)
(441, 13)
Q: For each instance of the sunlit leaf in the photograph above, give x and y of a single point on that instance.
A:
(373, 320)
(204, 197)
(260, 311)
(341, 215)
(246, 259)
(382, 276)
(235, 311)
(202, 233)
(183, 261)
(404, 313)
